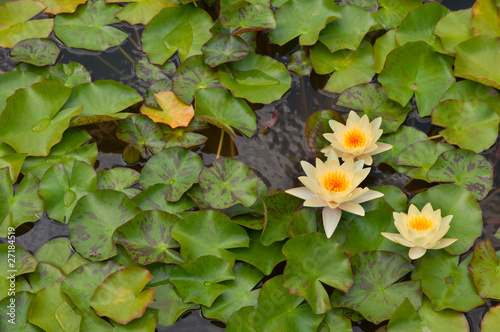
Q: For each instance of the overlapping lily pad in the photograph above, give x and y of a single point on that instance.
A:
(169, 304)
(14, 161)
(23, 303)
(11, 81)
(484, 270)
(59, 253)
(61, 6)
(119, 179)
(92, 322)
(243, 16)
(44, 275)
(151, 73)
(383, 46)
(300, 63)
(23, 263)
(318, 124)
(224, 48)
(469, 90)
(491, 320)
(69, 74)
(454, 28)
(153, 198)
(174, 111)
(39, 52)
(484, 19)
(142, 11)
(391, 12)
(143, 133)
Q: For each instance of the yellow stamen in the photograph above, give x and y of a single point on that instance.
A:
(354, 138)
(420, 223)
(335, 182)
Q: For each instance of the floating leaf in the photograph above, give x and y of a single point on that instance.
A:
(142, 11)
(182, 137)
(313, 259)
(62, 187)
(169, 304)
(318, 124)
(383, 46)
(491, 320)
(370, 5)
(446, 283)
(119, 179)
(69, 74)
(303, 18)
(92, 322)
(174, 111)
(88, 27)
(476, 57)
(242, 320)
(150, 73)
(24, 263)
(16, 25)
(158, 86)
(300, 63)
(96, 216)
(471, 125)
(375, 293)
(415, 68)
(144, 134)
(372, 99)
(59, 253)
(22, 302)
(303, 222)
(14, 161)
(44, 275)
(183, 28)
(14, 80)
(484, 19)
(61, 6)
(198, 281)
(177, 167)
(243, 16)
(484, 270)
(454, 28)
(224, 48)
(192, 233)
(257, 78)
(39, 52)
(469, 90)
(228, 182)
(121, 296)
(453, 200)
(153, 198)
(392, 12)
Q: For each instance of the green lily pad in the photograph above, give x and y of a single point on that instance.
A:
(70, 74)
(464, 168)
(158, 86)
(476, 57)
(375, 293)
(14, 161)
(471, 125)
(228, 182)
(453, 200)
(147, 238)
(169, 304)
(303, 18)
(141, 11)
(119, 179)
(182, 136)
(300, 63)
(383, 46)
(484, 19)
(42, 124)
(415, 68)
(313, 259)
(192, 233)
(349, 67)
(484, 270)
(257, 78)
(392, 12)
(262, 257)
(96, 217)
(453, 29)
(39, 52)
(279, 209)
(26, 67)
(184, 29)
(226, 3)
(22, 304)
(151, 73)
(144, 134)
(243, 16)
(62, 187)
(59, 253)
(177, 167)
(92, 322)
(370, 5)
(372, 99)
(121, 296)
(469, 90)
(239, 293)
(303, 222)
(199, 281)
(422, 155)
(318, 124)
(81, 283)
(23, 263)
(67, 151)
(61, 6)
(491, 320)
(193, 74)
(224, 48)
(16, 25)
(242, 320)
(335, 320)
(20, 207)
(153, 198)
(348, 31)
(419, 24)
(44, 275)
(277, 310)
(14, 80)
(446, 283)
(88, 27)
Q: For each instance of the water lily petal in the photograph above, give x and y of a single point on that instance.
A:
(301, 192)
(336, 126)
(428, 207)
(328, 148)
(354, 208)
(446, 220)
(331, 218)
(376, 123)
(445, 242)
(307, 167)
(315, 202)
(416, 252)
(397, 238)
(368, 196)
(412, 210)
(353, 116)
(381, 148)
(366, 158)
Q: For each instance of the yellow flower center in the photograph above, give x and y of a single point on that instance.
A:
(335, 182)
(354, 138)
(420, 223)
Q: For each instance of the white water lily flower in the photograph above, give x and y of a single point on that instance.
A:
(335, 188)
(357, 138)
(421, 230)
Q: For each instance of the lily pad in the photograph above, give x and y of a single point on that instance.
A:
(44, 275)
(242, 320)
(174, 111)
(469, 90)
(313, 259)
(61, 6)
(257, 78)
(182, 137)
(61, 187)
(476, 57)
(14, 161)
(169, 304)
(318, 124)
(484, 19)
(144, 134)
(228, 182)
(121, 296)
(14, 80)
(446, 283)
(484, 270)
(348, 31)
(142, 11)
(153, 198)
(192, 233)
(39, 52)
(392, 12)
(383, 46)
(491, 320)
(92, 322)
(454, 28)
(88, 27)
(243, 16)
(42, 124)
(59, 253)
(464, 168)
(375, 293)
(472, 125)
(303, 222)
(199, 281)
(22, 302)
(23, 263)
(177, 167)
(453, 200)
(69, 74)
(16, 24)
(184, 29)
(300, 63)
(372, 99)
(303, 18)
(151, 73)
(224, 48)
(415, 68)
(96, 217)
(119, 179)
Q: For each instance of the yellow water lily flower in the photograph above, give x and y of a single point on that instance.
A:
(356, 139)
(421, 230)
(335, 188)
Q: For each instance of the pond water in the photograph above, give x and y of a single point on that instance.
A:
(274, 153)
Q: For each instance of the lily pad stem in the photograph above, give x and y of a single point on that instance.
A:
(220, 144)
(126, 55)
(435, 136)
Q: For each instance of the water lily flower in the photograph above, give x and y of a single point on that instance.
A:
(335, 188)
(421, 230)
(357, 138)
